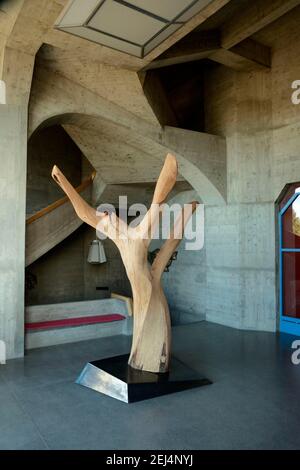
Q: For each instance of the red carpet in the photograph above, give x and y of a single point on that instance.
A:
(46, 325)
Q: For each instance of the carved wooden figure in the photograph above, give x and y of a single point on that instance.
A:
(151, 343)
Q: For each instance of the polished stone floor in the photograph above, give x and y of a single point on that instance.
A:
(252, 404)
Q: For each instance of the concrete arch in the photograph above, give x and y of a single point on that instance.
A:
(127, 142)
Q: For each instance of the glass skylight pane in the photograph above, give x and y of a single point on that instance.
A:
(161, 37)
(167, 9)
(194, 10)
(126, 23)
(78, 12)
(105, 40)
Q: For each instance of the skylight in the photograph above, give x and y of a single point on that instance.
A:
(132, 26)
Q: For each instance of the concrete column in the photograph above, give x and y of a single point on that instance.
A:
(19, 44)
(13, 151)
(16, 73)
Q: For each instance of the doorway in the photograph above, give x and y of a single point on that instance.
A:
(289, 260)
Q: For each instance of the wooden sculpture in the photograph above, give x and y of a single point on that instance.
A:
(151, 344)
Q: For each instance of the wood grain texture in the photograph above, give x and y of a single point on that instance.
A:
(151, 343)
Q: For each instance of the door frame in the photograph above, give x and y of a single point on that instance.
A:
(287, 324)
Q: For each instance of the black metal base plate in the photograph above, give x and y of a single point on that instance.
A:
(114, 377)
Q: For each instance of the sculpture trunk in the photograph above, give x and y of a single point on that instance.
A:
(151, 343)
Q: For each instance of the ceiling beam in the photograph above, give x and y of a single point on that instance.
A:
(249, 20)
(195, 46)
(245, 56)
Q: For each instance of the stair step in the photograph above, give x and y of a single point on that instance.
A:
(73, 322)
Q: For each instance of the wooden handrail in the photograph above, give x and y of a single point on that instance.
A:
(85, 184)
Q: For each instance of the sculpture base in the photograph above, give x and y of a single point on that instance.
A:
(114, 377)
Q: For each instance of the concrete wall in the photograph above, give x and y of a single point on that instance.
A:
(59, 273)
(255, 113)
(185, 283)
(110, 274)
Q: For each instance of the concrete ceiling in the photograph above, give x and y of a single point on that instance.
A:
(117, 85)
(273, 34)
(88, 49)
(76, 76)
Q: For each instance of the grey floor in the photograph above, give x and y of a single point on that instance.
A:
(252, 404)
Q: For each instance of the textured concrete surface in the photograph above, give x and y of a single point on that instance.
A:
(16, 71)
(261, 124)
(13, 122)
(48, 231)
(252, 404)
(184, 284)
(111, 275)
(132, 149)
(51, 146)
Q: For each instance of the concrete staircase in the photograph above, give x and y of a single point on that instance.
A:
(51, 225)
(47, 325)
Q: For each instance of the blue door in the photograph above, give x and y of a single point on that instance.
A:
(289, 264)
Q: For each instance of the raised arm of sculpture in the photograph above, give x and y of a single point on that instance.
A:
(84, 211)
(164, 185)
(175, 237)
(151, 342)
(108, 224)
